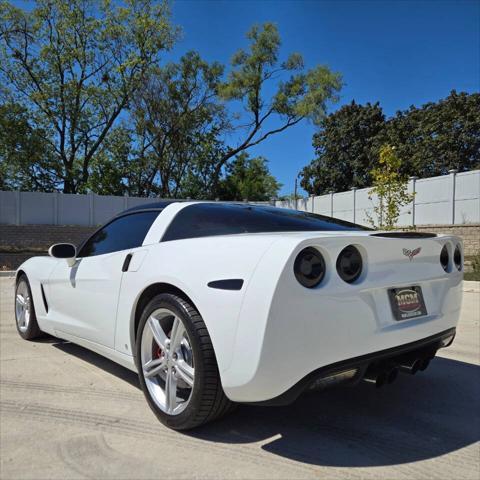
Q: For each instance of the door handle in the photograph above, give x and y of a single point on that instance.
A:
(126, 262)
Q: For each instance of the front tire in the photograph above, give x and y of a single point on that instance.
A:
(177, 367)
(26, 319)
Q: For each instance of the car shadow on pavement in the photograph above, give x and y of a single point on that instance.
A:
(416, 418)
(99, 361)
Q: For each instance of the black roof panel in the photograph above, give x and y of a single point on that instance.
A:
(149, 206)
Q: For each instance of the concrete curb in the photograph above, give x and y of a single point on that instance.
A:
(7, 273)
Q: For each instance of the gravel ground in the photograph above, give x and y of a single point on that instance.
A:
(69, 413)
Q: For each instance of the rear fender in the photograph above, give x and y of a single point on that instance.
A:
(190, 265)
(285, 330)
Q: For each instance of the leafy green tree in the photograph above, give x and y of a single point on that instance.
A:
(178, 119)
(429, 140)
(303, 94)
(124, 167)
(196, 181)
(77, 65)
(438, 136)
(26, 158)
(114, 169)
(390, 189)
(181, 117)
(248, 178)
(118, 123)
(347, 149)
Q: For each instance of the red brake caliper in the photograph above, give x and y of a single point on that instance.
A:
(157, 351)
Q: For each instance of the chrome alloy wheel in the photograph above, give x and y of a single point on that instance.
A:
(167, 361)
(22, 306)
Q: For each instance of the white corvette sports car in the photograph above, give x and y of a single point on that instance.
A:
(216, 303)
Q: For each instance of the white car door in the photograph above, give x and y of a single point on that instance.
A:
(83, 299)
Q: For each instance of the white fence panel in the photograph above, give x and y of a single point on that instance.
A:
(302, 204)
(73, 209)
(8, 207)
(343, 206)
(447, 199)
(364, 206)
(27, 208)
(405, 218)
(105, 207)
(37, 207)
(321, 205)
(467, 197)
(285, 204)
(436, 202)
(309, 204)
(136, 201)
(433, 200)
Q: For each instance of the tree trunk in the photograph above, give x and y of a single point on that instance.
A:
(69, 186)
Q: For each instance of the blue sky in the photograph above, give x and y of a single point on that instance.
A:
(396, 52)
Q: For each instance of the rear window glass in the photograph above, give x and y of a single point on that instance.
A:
(208, 219)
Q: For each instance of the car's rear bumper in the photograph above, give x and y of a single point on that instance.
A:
(302, 335)
(353, 370)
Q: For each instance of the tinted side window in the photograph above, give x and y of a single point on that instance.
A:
(120, 234)
(206, 219)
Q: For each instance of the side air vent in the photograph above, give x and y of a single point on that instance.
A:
(404, 235)
(44, 298)
(229, 284)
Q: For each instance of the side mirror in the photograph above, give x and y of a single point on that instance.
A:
(64, 250)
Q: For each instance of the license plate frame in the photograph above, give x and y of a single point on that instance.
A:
(407, 302)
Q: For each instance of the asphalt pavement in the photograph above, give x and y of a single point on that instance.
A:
(68, 413)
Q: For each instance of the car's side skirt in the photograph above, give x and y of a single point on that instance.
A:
(126, 361)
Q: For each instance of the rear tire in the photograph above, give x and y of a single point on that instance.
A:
(25, 317)
(177, 366)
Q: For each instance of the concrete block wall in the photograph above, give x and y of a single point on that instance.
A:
(11, 261)
(20, 242)
(470, 235)
(24, 237)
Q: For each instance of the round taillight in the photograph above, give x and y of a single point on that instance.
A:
(445, 258)
(309, 267)
(457, 257)
(349, 264)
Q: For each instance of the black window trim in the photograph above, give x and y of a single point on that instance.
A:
(117, 217)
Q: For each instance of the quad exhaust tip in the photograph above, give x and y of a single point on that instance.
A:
(411, 366)
(381, 375)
